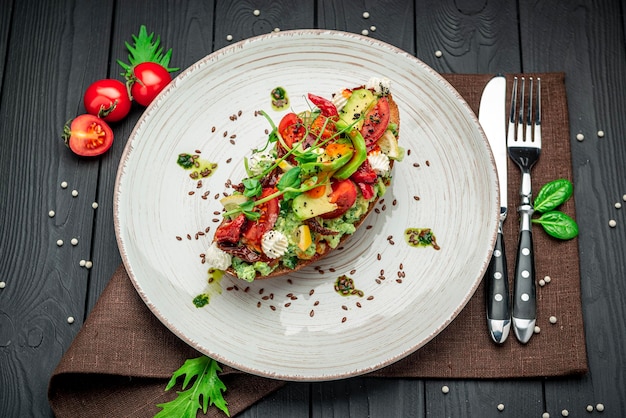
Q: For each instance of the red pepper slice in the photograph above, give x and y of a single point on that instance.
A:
(325, 106)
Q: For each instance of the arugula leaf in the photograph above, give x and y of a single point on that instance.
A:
(207, 385)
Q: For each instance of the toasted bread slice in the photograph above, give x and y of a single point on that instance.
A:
(322, 251)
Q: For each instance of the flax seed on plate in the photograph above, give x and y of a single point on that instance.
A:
(352, 271)
(344, 319)
(312, 313)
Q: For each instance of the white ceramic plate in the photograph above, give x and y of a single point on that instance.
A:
(297, 327)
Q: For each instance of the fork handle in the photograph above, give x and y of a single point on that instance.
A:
(524, 299)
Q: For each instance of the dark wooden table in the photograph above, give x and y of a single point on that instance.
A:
(50, 51)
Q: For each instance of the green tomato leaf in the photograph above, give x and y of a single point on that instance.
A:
(558, 224)
(552, 195)
(205, 390)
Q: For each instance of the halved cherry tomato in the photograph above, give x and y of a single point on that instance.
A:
(87, 135)
(108, 99)
(255, 229)
(149, 78)
(375, 122)
(291, 129)
(344, 195)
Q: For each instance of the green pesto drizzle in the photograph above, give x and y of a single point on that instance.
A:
(420, 237)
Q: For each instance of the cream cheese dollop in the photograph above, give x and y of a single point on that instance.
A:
(339, 100)
(217, 258)
(380, 85)
(274, 243)
(379, 162)
(259, 162)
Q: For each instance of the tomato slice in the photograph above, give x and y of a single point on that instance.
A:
(230, 230)
(88, 135)
(255, 229)
(291, 129)
(344, 195)
(375, 122)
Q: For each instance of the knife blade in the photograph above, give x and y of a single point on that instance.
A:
(492, 117)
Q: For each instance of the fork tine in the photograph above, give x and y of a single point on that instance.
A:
(529, 117)
(520, 122)
(537, 129)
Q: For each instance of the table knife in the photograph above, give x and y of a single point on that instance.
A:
(492, 117)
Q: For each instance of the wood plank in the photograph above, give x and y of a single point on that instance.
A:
(473, 37)
(50, 61)
(383, 20)
(239, 21)
(587, 42)
(5, 24)
(369, 397)
(482, 398)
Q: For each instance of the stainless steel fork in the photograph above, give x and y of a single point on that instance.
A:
(524, 147)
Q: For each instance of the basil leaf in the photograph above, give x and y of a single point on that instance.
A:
(253, 187)
(558, 224)
(290, 179)
(552, 195)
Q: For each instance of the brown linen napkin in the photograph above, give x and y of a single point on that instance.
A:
(122, 358)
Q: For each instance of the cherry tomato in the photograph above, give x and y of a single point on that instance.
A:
(291, 129)
(344, 195)
(269, 213)
(149, 79)
(375, 122)
(88, 135)
(108, 99)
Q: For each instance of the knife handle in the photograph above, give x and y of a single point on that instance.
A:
(524, 300)
(497, 296)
